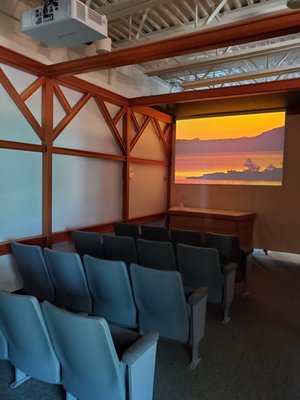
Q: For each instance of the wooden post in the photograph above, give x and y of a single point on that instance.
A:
(126, 167)
(47, 125)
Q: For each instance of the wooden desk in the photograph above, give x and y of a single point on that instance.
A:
(218, 221)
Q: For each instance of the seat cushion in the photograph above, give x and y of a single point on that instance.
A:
(122, 338)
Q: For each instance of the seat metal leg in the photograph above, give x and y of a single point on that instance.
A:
(245, 291)
(20, 377)
(227, 317)
(195, 356)
(69, 396)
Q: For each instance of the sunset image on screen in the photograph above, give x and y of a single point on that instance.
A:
(234, 149)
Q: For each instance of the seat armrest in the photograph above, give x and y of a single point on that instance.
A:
(229, 267)
(138, 348)
(198, 295)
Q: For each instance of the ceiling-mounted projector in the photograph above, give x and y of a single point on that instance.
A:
(64, 23)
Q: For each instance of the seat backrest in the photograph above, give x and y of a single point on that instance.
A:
(120, 248)
(192, 238)
(111, 291)
(200, 266)
(88, 243)
(160, 299)
(159, 255)
(67, 273)
(90, 366)
(24, 328)
(228, 246)
(229, 249)
(126, 229)
(157, 233)
(31, 264)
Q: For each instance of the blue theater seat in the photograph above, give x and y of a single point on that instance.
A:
(200, 266)
(157, 233)
(30, 348)
(111, 291)
(99, 363)
(68, 276)
(88, 243)
(162, 307)
(229, 249)
(31, 264)
(159, 255)
(126, 229)
(120, 248)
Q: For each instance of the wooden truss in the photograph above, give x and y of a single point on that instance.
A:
(47, 133)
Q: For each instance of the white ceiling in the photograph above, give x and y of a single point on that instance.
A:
(132, 22)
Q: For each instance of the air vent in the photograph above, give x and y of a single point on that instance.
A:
(97, 18)
(80, 11)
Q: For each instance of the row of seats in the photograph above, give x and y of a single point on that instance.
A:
(158, 233)
(106, 288)
(127, 297)
(92, 360)
(228, 246)
(199, 266)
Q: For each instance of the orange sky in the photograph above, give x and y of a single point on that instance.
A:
(227, 127)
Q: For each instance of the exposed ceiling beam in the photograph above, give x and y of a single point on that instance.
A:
(283, 86)
(229, 35)
(232, 57)
(215, 12)
(241, 13)
(241, 77)
(124, 8)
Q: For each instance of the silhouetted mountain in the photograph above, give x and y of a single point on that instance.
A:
(274, 174)
(267, 141)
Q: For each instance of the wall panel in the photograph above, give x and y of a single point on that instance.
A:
(58, 111)
(72, 96)
(21, 194)
(86, 192)
(34, 103)
(20, 79)
(148, 190)
(14, 127)
(88, 131)
(149, 145)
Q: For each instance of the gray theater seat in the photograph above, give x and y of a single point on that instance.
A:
(98, 363)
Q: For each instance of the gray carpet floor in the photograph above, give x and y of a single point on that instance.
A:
(254, 357)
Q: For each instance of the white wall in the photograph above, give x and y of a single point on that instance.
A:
(20, 171)
(148, 186)
(21, 194)
(148, 190)
(87, 131)
(86, 192)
